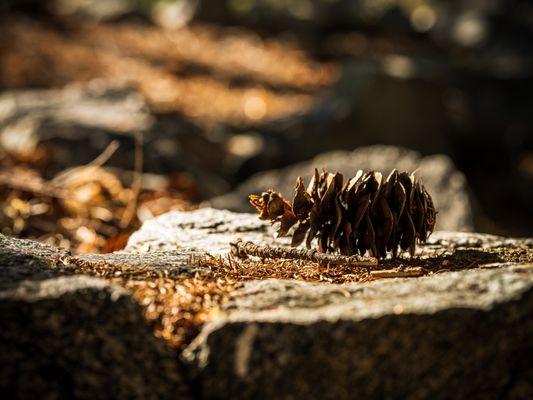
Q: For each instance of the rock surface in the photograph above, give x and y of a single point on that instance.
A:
(444, 182)
(22, 260)
(203, 230)
(458, 334)
(169, 264)
(75, 336)
(77, 123)
(89, 116)
(27, 260)
(455, 335)
(444, 335)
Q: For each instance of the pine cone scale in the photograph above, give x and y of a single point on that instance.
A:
(366, 213)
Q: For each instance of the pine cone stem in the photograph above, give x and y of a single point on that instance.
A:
(242, 249)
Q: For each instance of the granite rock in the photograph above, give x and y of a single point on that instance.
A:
(454, 335)
(76, 123)
(75, 336)
(205, 230)
(27, 260)
(458, 334)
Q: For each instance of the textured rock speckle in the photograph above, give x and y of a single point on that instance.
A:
(460, 333)
(455, 335)
(75, 336)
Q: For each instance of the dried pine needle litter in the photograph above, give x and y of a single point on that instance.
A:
(177, 308)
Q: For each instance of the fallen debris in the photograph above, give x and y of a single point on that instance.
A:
(86, 209)
(411, 272)
(243, 249)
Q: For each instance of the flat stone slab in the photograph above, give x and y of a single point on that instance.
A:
(169, 264)
(22, 260)
(456, 240)
(464, 333)
(26, 259)
(76, 336)
(203, 230)
(283, 300)
(455, 335)
(459, 334)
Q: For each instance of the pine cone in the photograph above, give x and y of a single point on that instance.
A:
(352, 217)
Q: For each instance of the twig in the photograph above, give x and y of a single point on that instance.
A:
(244, 249)
(20, 179)
(412, 272)
(136, 185)
(64, 177)
(106, 154)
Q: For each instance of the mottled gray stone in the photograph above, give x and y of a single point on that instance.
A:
(27, 259)
(22, 259)
(459, 334)
(456, 240)
(77, 122)
(462, 334)
(456, 335)
(202, 230)
(444, 182)
(75, 336)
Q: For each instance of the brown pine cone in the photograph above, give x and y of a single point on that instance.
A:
(364, 213)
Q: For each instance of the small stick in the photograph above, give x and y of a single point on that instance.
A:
(105, 155)
(244, 249)
(398, 273)
(64, 177)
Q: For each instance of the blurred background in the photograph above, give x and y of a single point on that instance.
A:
(204, 96)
